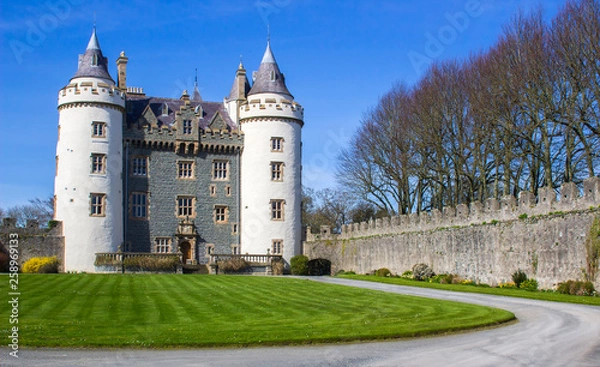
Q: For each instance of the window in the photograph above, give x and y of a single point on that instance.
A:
(187, 126)
(165, 109)
(98, 129)
(185, 206)
(220, 170)
(139, 204)
(228, 190)
(277, 144)
(185, 170)
(276, 171)
(277, 247)
(277, 209)
(213, 190)
(235, 249)
(139, 166)
(234, 228)
(210, 249)
(97, 205)
(221, 214)
(98, 163)
(94, 60)
(163, 245)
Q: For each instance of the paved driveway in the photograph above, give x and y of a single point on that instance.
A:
(547, 334)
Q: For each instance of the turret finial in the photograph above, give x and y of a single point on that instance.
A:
(268, 32)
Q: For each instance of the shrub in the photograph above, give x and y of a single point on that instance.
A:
(350, 272)
(507, 285)
(298, 265)
(407, 275)
(529, 285)
(440, 278)
(383, 272)
(576, 287)
(318, 267)
(422, 272)
(519, 277)
(52, 223)
(235, 265)
(150, 263)
(41, 265)
(105, 260)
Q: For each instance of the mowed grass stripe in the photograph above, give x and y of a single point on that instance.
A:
(162, 311)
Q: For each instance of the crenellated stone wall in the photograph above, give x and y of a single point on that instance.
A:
(33, 241)
(485, 242)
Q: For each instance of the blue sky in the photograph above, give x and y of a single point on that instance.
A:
(339, 57)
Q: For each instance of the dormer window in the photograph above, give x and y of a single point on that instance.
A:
(272, 75)
(94, 60)
(198, 110)
(165, 109)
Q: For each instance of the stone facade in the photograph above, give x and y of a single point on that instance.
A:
(163, 148)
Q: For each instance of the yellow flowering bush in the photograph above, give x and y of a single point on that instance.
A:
(41, 265)
(507, 285)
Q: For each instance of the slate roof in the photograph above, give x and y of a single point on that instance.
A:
(268, 78)
(136, 106)
(86, 67)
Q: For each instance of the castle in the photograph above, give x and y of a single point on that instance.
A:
(141, 174)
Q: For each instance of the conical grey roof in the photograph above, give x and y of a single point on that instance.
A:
(268, 78)
(93, 63)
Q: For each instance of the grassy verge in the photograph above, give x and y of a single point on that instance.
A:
(521, 293)
(169, 311)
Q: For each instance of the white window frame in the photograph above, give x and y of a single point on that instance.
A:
(139, 205)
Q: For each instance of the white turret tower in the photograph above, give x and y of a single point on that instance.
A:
(270, 164)
(89, 161)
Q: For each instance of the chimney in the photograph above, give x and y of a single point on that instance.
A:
(122, 71)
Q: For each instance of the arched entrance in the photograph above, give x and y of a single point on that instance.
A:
(186, 249)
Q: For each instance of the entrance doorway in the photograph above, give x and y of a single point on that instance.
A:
(186, 249)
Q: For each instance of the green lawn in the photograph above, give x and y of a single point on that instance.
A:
(540, 295)
(164, 311)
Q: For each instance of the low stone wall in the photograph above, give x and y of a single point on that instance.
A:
(486, 243)
(550, 249)
(34, 241)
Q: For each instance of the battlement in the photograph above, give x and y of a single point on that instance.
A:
(90, 90)
(490, 211)
(271, 105)
(135, 91)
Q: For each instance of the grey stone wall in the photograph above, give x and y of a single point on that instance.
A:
(550, 249)
(546, 239)
(34, 241)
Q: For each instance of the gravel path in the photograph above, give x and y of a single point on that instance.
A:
(547, 334)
